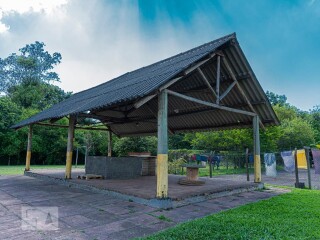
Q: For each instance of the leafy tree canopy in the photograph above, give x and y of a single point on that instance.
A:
(32, 64)
(10, 113)
(276, 99)
(37, 95)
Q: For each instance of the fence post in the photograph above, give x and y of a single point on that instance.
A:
(296, 168)
(308, 166)
(247, 164)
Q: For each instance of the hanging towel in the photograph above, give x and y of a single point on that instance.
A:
(301, 159)
(316, 160)
(288, 160)
(270, 164)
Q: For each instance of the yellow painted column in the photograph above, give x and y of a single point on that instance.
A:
(162, 175)
(256, 150)
(72, 120)
(29, 147)
(257, 169)
(162, 156)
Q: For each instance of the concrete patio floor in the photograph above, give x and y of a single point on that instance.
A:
(143, 189)
(87, 215)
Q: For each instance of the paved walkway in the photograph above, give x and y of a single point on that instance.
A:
(86, 215)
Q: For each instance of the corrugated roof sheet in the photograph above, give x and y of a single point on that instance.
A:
(132, 86)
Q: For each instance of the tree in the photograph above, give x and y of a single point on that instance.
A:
(37, 95)
(295, 133)
(33, 64)
(276, 99)
(235, 139)
(285, 112)
(26, 79)
(178, 141)
(135, 144)
(10, 141)
(315, 122)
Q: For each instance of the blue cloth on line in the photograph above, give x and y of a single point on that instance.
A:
(250, 158)
(203, 158)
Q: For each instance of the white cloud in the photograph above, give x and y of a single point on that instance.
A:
(100, 40)
(23, 6)
(26, 6)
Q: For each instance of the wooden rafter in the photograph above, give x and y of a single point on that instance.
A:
(76, 127)
(240, 88)
(207, 82)
(210, 104)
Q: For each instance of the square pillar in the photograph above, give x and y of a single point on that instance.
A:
(72, 120)
(162, 156)
(29, 148)
(256, 150)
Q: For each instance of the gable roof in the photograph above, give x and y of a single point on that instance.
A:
(133, 86)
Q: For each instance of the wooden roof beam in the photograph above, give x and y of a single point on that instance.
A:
(240, 88)
(210, 104)
(206, 81)
(66, 126)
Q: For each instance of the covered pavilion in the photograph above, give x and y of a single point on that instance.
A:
(210, 87)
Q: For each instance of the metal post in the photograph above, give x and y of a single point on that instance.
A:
(247, 164)
(109, 144)
(72, 121)
(29, 148)
(210, 169)
(77, 157)
(297, 185)
(218, 80)
(162, 157)
(85, 157)
(308, 166)
(256, 150)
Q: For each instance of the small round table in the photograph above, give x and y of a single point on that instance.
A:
(192, 177)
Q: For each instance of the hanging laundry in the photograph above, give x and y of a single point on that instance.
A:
(288, 160)
(250, 159)
(316, 160)
(203, 158)
(301, 159)
(270, 164)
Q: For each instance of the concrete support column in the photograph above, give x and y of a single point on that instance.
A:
(72, 120)
(162, 156)
(256, 150)
(29, 148)
(109, 144)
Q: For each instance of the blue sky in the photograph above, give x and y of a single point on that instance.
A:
(100, 40)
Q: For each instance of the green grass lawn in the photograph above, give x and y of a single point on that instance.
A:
(294, 215)
(204, 172)
(19, 169)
